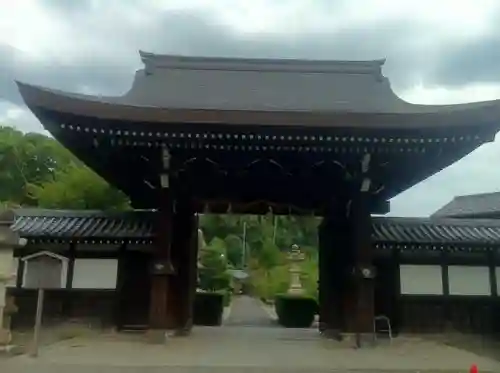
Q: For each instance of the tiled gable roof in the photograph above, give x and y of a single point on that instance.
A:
(473, 205)
(137, 226)
(84, 225)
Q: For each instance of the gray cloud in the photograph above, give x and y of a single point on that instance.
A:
(477, 61)
(98, 53)
(105, 55)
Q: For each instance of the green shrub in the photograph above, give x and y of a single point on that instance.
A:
(208, 308)
(226, 294)
(295, 311)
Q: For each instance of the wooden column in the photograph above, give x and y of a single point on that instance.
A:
(397, 314)
(67, 304)
(492, 264)
(334, 263)
(193, 269)
(161, 315)
(71, 265)
(445, 279)
(183, 283)
(161, 270)
(364, 270)
(120, 281)
(328, 296)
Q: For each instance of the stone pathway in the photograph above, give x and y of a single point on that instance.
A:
(238, 348)
(245, 350)
(247, 311)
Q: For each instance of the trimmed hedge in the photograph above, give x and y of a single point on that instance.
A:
(208, 308)
(295, 311)
(227, 294)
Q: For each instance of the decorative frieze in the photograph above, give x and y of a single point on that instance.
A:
(243, 141)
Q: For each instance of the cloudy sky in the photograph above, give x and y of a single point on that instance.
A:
(438, 51)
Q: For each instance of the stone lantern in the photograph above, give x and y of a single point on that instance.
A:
(9, 240)
(295, 257)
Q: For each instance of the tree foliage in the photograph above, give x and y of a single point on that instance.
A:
(37, 171)
(213, 273)
(78, 188)
(26, 160)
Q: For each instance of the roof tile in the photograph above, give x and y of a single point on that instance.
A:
(474, 205)
(69, 225)
(37, 223)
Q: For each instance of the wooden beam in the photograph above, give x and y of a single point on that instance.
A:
(260, 207)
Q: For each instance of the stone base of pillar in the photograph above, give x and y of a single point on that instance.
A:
(157, 336)
(5, 337)
(186, 329)
(162, 336)
(364, 340)
(352, 340)
(330, 333)
(182, 332)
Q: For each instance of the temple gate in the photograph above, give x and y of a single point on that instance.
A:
(328, 138)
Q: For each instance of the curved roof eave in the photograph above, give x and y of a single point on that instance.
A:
(120, 108)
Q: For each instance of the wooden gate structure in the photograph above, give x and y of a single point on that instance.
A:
(219, 135)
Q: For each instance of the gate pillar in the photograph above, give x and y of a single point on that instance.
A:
(334, 263)
(363, 270)
(185, 252)
(162, 269)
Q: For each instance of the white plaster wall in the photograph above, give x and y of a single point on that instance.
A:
(421, 279)
(468, 280)
(95, 273)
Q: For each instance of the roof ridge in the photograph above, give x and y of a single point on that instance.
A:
(441, 221)
(464, 196)
(85, 226)
(66, 213)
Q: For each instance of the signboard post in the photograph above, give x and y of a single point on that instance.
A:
(44, 273)
(38, 322)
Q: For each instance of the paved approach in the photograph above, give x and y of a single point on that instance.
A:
(244, 350)
(247, 311)
(238, 348)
